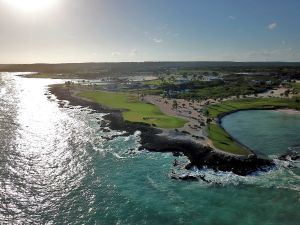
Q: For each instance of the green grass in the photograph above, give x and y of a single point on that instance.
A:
(224, 142)
(146, 91)
(221, 91)
(216, 110)
(136, 111)
(296, 86)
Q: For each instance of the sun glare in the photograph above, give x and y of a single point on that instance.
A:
(31, 5)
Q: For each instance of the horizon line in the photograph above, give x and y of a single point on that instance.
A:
(158, 61)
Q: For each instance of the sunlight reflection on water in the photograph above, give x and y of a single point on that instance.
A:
(58, 167)
(40, 166)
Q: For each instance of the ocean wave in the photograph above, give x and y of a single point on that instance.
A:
(281, 176)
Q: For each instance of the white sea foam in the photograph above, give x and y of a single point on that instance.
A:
(2, 91)
(282, 176)
(118, 156)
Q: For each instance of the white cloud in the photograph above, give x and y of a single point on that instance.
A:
(161, 33)
(162, 27)
(272, 26)
(232, 17)
(115, 54)
(133, 52)
(158, 40)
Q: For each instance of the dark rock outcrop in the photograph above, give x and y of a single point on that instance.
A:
(199, 156)
(290, 155)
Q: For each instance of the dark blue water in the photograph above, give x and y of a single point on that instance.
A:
(56, 167)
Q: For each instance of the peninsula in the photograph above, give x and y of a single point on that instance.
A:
(181, 112)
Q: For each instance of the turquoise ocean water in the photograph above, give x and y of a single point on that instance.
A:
(57, 167)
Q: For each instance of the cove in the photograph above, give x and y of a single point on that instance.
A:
(267, 132)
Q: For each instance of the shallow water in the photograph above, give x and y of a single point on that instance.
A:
(57, 168)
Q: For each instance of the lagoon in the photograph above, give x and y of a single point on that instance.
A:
(267, 132)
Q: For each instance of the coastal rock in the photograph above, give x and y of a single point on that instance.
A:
(189, 177)
(184, 177)
(199, 156)
(290, 155)
(106, 130)
(177, 154)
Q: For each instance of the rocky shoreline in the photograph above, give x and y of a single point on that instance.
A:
(200, 156)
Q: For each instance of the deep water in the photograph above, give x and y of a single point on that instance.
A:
(57, 167)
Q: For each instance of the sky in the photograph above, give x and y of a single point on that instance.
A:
(59, 31)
